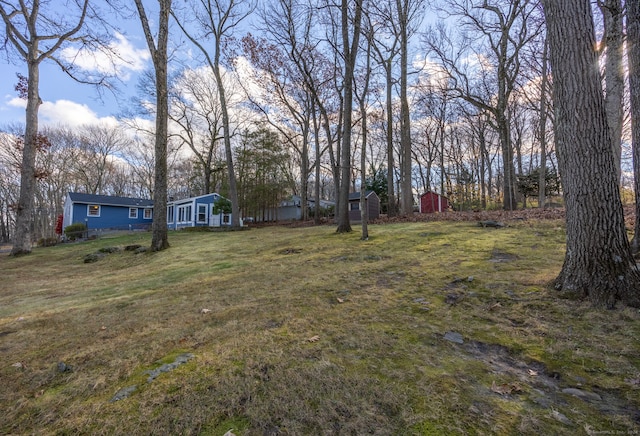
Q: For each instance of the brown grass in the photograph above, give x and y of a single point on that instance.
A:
(310, 332)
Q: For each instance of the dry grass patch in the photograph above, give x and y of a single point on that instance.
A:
(303, 331)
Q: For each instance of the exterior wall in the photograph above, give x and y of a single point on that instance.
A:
(111, 217)
(195, 212)
(431, 202)
(372, 202)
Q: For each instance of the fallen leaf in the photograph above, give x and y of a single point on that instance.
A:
(340, 300)
(315, 338)
(495, 306)
(229, 433)
(103, 328)
(532, 373)
(205, 310)
(19, 365)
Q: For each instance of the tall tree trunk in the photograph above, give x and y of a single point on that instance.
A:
(598, 264)
(316, 187)
(542, 128)
(391, 196)
(405, 120)
(159, 237)
(633, 55)
(350, 48)
(24, 212)
(612, 12)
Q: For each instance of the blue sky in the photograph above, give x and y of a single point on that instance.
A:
(68, 102)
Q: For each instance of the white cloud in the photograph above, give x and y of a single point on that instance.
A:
(65, 112)
(127, 59)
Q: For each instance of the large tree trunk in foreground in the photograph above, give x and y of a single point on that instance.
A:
(159, 237)
(598, 265)
(24, 211)
(633, 54)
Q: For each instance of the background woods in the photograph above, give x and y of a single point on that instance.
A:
(457, 100)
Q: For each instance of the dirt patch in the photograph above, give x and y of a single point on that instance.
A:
(531, 381)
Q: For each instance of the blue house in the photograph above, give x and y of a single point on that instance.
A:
(107, 212)
(196, 212)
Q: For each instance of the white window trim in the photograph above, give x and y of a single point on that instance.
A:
(171, 214)
(131, 209)
(202, 208)
(147, 211)
(90, 215)
(186, 218)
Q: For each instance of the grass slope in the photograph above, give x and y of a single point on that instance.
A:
(309, 332)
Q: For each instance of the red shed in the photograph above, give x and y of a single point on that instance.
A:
(431, 202)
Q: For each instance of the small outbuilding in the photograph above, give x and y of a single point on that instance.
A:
(431, 202)
(372, 202)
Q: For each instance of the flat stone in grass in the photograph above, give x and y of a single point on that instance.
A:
(454, 337)
(109, 249)
(153, 374)
(93, 257)
(180, 360)
(123, 393)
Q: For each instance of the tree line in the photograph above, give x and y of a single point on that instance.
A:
(470, 98)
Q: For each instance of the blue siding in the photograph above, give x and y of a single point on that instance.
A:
(192, 212)
(111, 217)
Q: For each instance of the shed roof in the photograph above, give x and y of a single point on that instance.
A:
(356, 195)
(109, 200)
(433, 193)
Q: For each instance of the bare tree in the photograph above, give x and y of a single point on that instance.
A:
(36, 35)
(96, 148)
(409, 14)
(195, 107)
(158, 50)
(502, 28)
(287, 104)
(385, 50)
(598, 264)
(215, 21)
(350, 26)
(613, 14)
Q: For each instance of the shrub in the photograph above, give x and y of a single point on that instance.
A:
(47, 242)
(75, 231)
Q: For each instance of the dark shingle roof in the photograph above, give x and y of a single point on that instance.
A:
(356, 195)
(109, 200)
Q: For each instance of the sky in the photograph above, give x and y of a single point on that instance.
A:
(66, 102)
(71, 103)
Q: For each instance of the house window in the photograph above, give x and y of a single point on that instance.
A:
(170, 211)
(93, 210)
(133, 212)
(226, 219)
(148, 214)
(184, 214)
(202, 213)
(355, 206)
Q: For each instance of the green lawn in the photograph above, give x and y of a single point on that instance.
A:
(304, 331)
